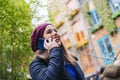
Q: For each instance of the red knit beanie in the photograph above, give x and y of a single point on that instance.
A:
(37, 33)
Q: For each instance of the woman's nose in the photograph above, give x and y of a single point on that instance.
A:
(54, 32)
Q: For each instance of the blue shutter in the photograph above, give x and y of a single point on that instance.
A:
(119, 5)
(94, 17)
(112, 4)
(106, 50)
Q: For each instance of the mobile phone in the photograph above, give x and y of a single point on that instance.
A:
(41, 44)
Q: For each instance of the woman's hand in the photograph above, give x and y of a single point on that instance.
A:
(51, 43)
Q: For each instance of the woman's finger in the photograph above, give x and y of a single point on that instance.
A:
(46, 44)
(49, 40)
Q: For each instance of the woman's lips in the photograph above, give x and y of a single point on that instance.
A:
(57, 40)
(57, 37)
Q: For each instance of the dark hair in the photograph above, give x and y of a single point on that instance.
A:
(75, 57)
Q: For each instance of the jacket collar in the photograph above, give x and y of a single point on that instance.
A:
(41, 60)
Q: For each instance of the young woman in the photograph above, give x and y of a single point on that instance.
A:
(52, 62)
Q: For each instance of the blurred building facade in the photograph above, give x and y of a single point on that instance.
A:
(90, 30)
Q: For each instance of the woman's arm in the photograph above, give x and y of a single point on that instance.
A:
(39, 71)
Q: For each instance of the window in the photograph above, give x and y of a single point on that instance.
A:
(94, 17)
(106, 50)
(119, 29)
(78, 32)
(73, 5)
(114, 5)
(65, 40)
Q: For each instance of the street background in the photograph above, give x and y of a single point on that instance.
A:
(90, 30)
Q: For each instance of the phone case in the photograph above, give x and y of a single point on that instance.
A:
(41, 44)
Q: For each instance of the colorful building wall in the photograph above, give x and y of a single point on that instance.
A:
(104, 28)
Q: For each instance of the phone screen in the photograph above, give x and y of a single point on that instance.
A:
(41, 44)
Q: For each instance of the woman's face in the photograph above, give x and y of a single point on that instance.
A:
(51, 32)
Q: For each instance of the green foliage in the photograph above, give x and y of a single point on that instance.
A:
(15, 31)
(104, 12)
(85, 11)
(37, 8)
(53, 10)
(116, 14)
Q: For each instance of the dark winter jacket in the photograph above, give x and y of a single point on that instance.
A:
(54, 69)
